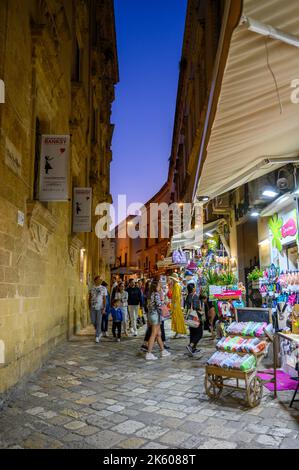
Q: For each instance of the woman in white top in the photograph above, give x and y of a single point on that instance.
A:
(122, 295)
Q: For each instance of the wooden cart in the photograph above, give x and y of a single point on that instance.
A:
(217, 376)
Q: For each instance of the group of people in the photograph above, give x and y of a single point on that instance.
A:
(123, 304)
(129, 303)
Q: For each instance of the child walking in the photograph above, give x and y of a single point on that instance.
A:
(117, 317)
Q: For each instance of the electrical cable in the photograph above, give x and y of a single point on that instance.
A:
(273, 75)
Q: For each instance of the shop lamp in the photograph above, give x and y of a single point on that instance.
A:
(268, 31)
(264, 242)
(203, 198)
(270, 193)
(210, 235)
(254, 214)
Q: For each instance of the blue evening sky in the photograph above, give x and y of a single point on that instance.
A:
(149, 40)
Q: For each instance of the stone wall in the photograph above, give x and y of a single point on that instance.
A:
(43, 296)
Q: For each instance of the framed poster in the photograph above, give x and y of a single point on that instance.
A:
(82, 210)
(54, 168)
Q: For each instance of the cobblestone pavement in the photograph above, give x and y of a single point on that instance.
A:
(106, 396)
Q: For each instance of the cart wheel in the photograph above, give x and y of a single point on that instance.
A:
(255, 392)
(213, 385)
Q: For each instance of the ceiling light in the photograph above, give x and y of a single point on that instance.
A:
(254, 213)
(203, 198)
(264, 242)
(270, 193)
(209, 234)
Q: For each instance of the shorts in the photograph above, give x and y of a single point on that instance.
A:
(154, 318)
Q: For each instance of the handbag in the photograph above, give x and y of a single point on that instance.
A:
(165, 312)
(192, 319)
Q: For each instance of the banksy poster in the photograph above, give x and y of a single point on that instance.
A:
(82, 210)
(54, 168)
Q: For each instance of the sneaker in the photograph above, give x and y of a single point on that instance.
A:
(165, 353)
(132, 331)
(106, 334)
(190, 350)
(97, 339)
(150, 357)
(196, 351)
(143, 348)
(166, 347)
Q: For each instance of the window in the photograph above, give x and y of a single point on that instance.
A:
(77, 60)
(94, 125)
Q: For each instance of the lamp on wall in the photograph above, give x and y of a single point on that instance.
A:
(269, 31)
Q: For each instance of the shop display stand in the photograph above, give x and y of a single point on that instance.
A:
(216, 378)
(215, 383)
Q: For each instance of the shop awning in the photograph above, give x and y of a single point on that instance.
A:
(125, 271)
(193, 239)
(256, 125)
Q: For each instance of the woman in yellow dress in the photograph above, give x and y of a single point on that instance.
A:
(177, 318)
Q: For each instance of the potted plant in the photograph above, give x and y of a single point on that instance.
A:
(254, 277)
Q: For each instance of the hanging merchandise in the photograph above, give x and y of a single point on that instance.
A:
(295, 319)
(179, 257)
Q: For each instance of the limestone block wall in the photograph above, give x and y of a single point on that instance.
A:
(44, 274)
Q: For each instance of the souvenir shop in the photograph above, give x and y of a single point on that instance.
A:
(247, 332)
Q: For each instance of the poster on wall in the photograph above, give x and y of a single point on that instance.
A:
(82, 210)
(54, 168)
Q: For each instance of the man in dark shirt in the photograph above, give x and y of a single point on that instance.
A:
(134, 301)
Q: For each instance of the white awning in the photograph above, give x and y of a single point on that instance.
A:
(194, 238)
(249, 128)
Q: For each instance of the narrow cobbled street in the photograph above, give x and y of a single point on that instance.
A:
(107, 396)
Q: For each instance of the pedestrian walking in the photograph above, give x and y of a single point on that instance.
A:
(97, 305)
(106, 313)
(141, 320)
(146, 296)
(193, 303)
(122, 295)
(164, 300)
(177, 318)
(117, 318)
(114, 287)
(155, 319)
(134, 302)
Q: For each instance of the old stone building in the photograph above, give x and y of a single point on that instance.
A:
(201, 38)
(58, 60)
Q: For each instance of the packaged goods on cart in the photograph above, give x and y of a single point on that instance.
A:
(254, 329)
(226, 360)
(241, 345)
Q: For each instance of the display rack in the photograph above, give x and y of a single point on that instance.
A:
(215, 383)
(218, 378)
